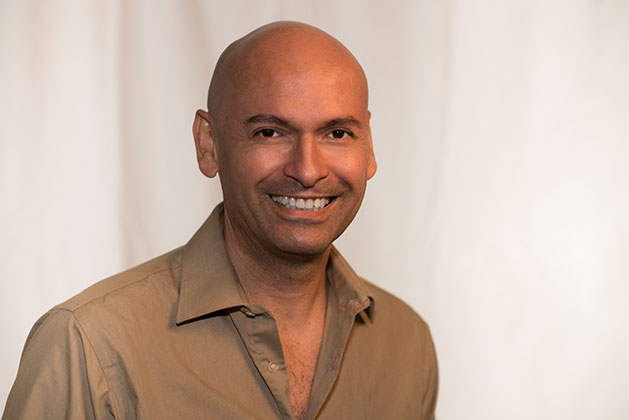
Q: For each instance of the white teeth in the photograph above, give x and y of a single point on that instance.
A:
(300, 203)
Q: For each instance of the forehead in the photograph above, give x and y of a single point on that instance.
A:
(315, 87)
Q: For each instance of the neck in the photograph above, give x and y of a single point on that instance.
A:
(293, 289)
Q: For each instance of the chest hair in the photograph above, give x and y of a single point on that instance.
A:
(301, 363)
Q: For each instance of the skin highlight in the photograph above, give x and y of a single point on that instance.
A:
(287, 117)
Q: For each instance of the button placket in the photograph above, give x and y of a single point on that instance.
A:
(259, 332)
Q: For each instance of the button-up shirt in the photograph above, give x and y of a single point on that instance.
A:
(176, 338)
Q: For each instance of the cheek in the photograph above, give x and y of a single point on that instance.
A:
(351, 167)
(256, 164)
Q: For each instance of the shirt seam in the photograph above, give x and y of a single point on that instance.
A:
(108, 292)
(84, 307)
(88, 341)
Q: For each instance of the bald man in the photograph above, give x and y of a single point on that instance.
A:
(258, 316)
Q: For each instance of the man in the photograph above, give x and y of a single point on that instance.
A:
(258, 316)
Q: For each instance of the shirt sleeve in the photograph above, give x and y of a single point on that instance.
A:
(59, 374)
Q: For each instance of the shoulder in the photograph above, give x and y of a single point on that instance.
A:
(389, 309)
(397, 326)
(125, 301)
(114, 313)
(159, 271)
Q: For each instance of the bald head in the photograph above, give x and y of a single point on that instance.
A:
(275, 49)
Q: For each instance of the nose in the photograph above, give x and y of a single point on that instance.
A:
(307, 162)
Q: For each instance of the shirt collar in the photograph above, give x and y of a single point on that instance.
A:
(208, 282)
(351, 290)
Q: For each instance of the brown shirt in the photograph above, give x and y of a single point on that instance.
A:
(175, 338)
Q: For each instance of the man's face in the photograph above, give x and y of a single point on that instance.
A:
(294, 152)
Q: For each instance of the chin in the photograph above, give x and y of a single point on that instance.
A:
(303, 249)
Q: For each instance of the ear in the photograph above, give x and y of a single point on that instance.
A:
(205, 143)
(372, 166)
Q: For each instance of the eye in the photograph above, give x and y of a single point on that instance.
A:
(339, 134)
(267, 132)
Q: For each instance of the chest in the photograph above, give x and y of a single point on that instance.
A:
(300, 357)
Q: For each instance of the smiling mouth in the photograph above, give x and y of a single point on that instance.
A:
(294, 203)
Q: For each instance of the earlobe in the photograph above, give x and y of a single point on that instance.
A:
(372, 166)
(204, 141)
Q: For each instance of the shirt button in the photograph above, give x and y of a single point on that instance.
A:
(273, 366)
(247, 312)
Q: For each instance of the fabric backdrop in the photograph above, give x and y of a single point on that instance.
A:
(499, 211)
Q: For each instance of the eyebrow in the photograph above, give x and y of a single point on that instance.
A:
(344, 121)
(272, 119)
(265, 118)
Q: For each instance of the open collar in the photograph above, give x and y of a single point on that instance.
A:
(208, 282)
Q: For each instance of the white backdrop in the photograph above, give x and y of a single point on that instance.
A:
(501, 132)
